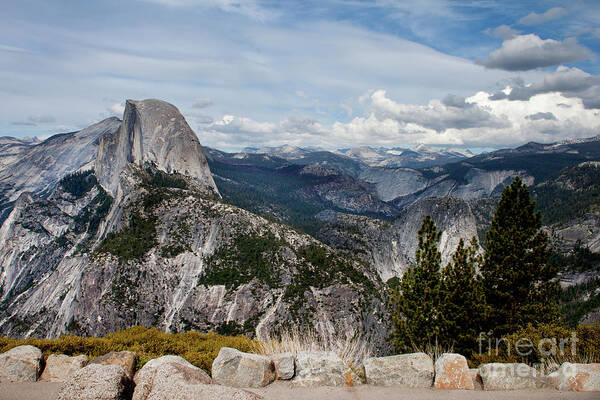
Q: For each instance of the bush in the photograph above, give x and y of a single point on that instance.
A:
(200, 349)
(587, 346)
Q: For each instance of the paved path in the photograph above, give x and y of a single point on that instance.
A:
(282, 391)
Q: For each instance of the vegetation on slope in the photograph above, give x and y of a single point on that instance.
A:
(78, 183)
(569, 194)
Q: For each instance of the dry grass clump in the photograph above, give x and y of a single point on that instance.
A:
(352, 349)
(433, 350)
(198, 348)
(553, 363)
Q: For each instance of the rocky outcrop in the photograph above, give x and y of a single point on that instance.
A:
(406, 370)
(498, 376)
(576, 377)
(20, 364)
(125, 359)
(60, 367)
(167, 376)
(390, 249)
(99, 382)
(285, 365)
(155, 132)
(237, 369)
(452, 372)
(321, 368)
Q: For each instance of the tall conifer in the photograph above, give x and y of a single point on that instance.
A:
(417, 317)
(463, 302)
(517, 277)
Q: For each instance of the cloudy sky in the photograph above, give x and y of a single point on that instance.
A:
(476, 74)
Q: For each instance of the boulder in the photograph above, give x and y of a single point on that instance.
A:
(576, 377)
(477, 383)
(284, 365)
(406, 370)
(452, 372)
(173, 378)
(322, 368)
(60, 367)
(125, 359)
(499, 376)
(20, 364)
(173, 368)
(97, 382)
(237, 369)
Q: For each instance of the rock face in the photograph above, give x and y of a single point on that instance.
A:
(452, 372)
(125, 359)
(285, 365)
(20, 364)
(406, 370)
(236, 369)
(60, 367)
(160, 375)
(98, 382)
(37, 167)
(499, 376)
(152, 131)
(68, 252)
(390, 248)
(576, 377)
(322, 369)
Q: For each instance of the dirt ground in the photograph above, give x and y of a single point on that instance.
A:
(280, 390)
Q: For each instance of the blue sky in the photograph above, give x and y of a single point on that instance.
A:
(331, 73)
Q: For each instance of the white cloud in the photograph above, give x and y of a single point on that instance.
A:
(249, 8)
(543, 118)
(571, 82)
(535, 18)
(527, 52)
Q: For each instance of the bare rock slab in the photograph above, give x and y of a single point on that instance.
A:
(322, 368)
(20, 364)
(407, 370)
(60, 367)
(452, 372)
(237, 369)
(576, 377)
(509, 376)
(97, 382)
(285, 365)
(125, 359)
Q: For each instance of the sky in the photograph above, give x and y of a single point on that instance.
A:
(329, 73)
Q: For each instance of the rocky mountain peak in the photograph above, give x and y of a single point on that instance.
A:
(152, 131)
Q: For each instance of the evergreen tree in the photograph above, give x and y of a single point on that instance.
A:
(517, 277)
(462, 299)
(416, 315)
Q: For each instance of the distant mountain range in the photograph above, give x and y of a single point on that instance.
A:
(417, 157)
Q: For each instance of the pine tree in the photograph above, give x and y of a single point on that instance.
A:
(462, 299)
(517, 277)
(416, 315)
